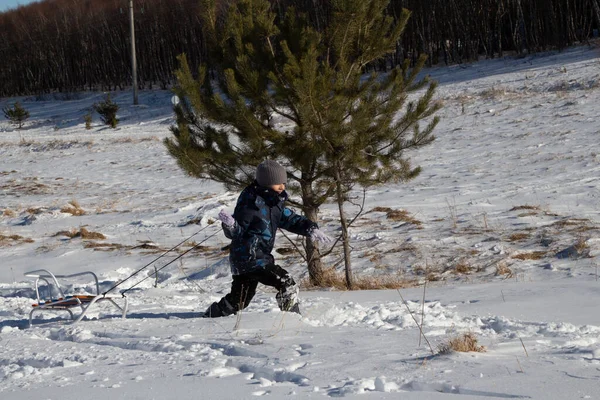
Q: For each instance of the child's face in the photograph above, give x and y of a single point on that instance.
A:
(278, 188)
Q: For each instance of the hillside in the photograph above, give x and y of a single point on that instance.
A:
(503, 224)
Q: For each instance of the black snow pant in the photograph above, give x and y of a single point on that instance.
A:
(243, 289)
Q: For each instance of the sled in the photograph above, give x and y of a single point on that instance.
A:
(67, 302)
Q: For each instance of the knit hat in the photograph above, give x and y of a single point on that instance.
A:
(270, 173)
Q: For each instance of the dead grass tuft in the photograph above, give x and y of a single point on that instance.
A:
(149, 246)
(581, 245)
(462, 267)
(73, 208)
(401, 248)
(525, 207)
(515, 237)
(129, 139)
(493, 93)
(534, 255)
(376, 258)
(103, 246)
(10, 240)
(579, 223)
(502, 268)
(198, 248)
(433, 277)
(193, 221)
(7, 212)
(81, 233)
(337, 280)
(528, 214)
(398, 215)
(466, 342)
(28, 186)
(35, 210)
(146, 244)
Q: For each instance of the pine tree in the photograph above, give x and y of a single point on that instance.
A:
(87, 118)
(108, 111)
(284, 90)
(17, 115)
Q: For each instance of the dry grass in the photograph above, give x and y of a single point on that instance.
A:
(461, 98)
(10, 240)
(103, 246)
(493, 93)
(431, 272)
(579, 223)
(526, 207)
(376, 258)
(198, 248)
(42, 146)
(36, 210)
(534, 255)
(73, 208)
(28, 186)
(130, 139)
(528, 214)
(403, 247)
(433, 277)
(515, 237)
(337, 280)
(398, 215)
(502, 268)
(149, 247)
(193, 221)
(466, 342)
(531, 210)
(81, 233)
(375, 255)
(581, 245)
(462, 267)
(146, 244)
(584, 228)
(7, 212)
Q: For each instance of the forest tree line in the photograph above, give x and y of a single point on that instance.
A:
(74, 45)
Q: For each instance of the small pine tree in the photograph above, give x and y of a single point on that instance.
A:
(108, 111)
(17, 114)
(88, 120)
(340, 128)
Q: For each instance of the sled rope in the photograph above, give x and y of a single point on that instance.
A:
(169, 263)
(158, 258)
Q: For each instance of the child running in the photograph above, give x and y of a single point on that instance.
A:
(260, 210)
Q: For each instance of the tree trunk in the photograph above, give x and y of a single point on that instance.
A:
(313, 255)
(344, 223)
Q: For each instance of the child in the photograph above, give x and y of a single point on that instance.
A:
(260, 210)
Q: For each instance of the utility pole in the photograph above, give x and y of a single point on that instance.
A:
(133, 60)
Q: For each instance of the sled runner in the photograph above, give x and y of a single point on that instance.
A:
(66, 302)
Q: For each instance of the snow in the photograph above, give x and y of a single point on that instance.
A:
(507, 239)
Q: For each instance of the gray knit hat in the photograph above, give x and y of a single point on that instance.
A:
(270, 173)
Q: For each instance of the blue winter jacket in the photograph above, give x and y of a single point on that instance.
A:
(258, 214)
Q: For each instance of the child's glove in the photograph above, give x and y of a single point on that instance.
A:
(226, 219)
(318, 235)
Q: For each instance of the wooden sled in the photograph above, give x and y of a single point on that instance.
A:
(65, 302)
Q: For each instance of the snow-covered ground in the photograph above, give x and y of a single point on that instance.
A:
(505, 231)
